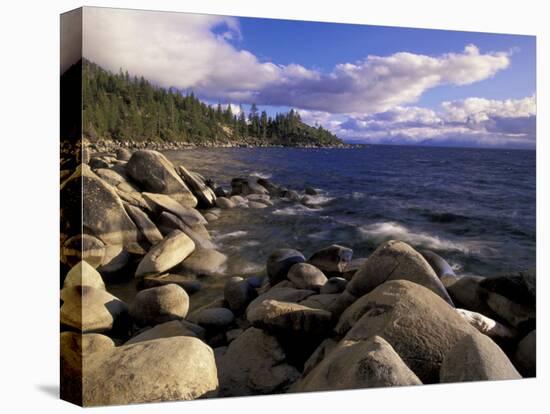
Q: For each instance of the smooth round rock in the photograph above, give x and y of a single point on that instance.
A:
(238, 293)
(215, 318)
(334, 285)
(279, 263)
(306, 276)
(159, 304)
(82, 274)
(332, 259)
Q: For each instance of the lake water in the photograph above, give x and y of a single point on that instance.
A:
(474, 207)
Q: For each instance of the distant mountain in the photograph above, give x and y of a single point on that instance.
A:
(125, 108)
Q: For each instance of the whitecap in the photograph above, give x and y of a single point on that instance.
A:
(389, 230)
(265, 176)
(297, 209)
(318, 200)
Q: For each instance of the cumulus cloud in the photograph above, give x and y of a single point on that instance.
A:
(197, 52)
(471, 122)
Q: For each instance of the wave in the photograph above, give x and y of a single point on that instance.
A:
(265, 176)
(319, 200)
(295, 210)
(384, 231)
(232, 235)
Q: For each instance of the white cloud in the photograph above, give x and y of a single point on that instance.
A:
(472, 122)
(196, 52)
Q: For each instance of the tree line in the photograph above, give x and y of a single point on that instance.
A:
(129, 108)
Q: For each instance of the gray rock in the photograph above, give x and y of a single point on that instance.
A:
(254, 363)
(334, 285)
(204, 262)
(215, 318)
(144, 224)
(332, 259)
(166, 254)
(306, 276)
(468, 293)
(395, 260)
(159, 304)
(525, 357)
(176, 368)
(154, 173)
(417, 323)
(279, 263)
(238, 293)
(246, 186)
(358, 364)
(476, 358)
(161, 202)
(169, 222)
(123, 154)
(82, 274)
(204, 194)
(440, 266)
(91, 310)
(285, 317)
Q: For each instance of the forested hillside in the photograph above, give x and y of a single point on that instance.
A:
(121, 107)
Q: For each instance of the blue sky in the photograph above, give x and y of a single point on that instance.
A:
(365, 83)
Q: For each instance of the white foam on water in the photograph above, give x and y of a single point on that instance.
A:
(384, 231)
(232, 235)
(265, 176)
(319, 200)
(295, 210)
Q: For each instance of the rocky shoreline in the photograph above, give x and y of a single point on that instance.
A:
(325, 322)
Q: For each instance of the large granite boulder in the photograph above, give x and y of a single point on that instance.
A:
(476, 358)
(168, 222)
(254, 363)
(91, 310)
(164, 330)
(418, 324)
(281, 294)
(205, 195)
(166, 369)
(306, 276)
(395, 260)
(155, 173)
(149, 230)
(358, 364)
(159, 203)
(166, 254)
(159, 304)
(238, 293)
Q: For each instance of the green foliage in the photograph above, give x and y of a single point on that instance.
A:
(124, 108)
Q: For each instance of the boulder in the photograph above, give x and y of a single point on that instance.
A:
(144, 224)
(115, 259)
(487, 326)
(224, 203)
(418, 324)
(91, 204)
(334, 285)
(246, 186)
(358, 364)
(273, 189)
(442, 269)
(159, 203)
(279, 263)
(169, 222)
(468, 293)
(204, 262)
(238, 293)
(123, 154)
(322, 301)
(396, 260)
(91, 310)
(476, 358)
(283, 294)
(256, 204)
(82, 274)
(189, 283)
(285, 317)
(97, 162)
(166, 254)
(176, 368)
(518, 315)
(204, 194)
(155, 174)
(254, 363)
(163, 330)
(159, 304)
(306, 276)
(525, 357)
(319, 354)
(111, 177)
(83, 247)
(215, 318)
(353, 266)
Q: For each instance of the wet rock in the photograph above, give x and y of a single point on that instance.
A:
(238, 293)
(279, 263)
(215, 318)
(395, 260)
(306, 276)
(159, 304)
(254, 363)
(177, 368)
(476, 358)
(417, 323)
(525, 357)
(358, 364)
(91, 310)
(155, 174)
(166, 254)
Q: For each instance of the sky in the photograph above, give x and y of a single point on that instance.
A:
(366, 84)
